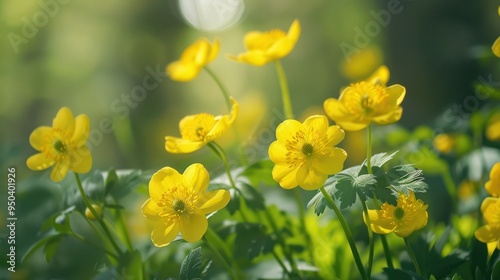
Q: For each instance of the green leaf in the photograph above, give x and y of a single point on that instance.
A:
(346, 192)
(192, 265)
(399, 274)
(128, 181)
(111, 181)
(495, 274)
(252, 240)
(402, 179)
(51, 246)
(259, 173)
(253, 198)
(56, 219)
(93, 186)
(377, 161)
(38, 245)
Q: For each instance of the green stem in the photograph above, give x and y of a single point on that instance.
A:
(383, 237)
(77, 236)
(369, 150)
(96, 215)
(347, 231)
(221, 86)
(412, 255)
(124, 230)
(222, 155)
(302, 220)
(285, 93)
(290, 275)
(281, 240)
(370, 238)
(450, 186)
(210, 237)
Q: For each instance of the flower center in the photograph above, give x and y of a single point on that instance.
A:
(59, 146)
(307, 149)
(178, 206)
(399, 213)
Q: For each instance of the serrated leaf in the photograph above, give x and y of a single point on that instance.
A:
(402, 179)
(346, 193)
(378, 160)
(191, 267)
(128, 181)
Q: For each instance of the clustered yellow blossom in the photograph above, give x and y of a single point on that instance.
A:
(366, 102)
(304, 153)
(193, 59)
(62, 145)
(403, 219)
(180, 203)
(198, 130)
(490, 207)
(264, 47)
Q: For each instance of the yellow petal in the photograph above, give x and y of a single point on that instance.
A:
(334, 135)
(151, 210)
(294, 31)
(488, 202)
(380, 76)
(396, 94)
(162, 180)
(391, 117)
(81, 160)
(492, 189)
(352, 126)
(59, 171)
(285, 176)
(182, 72)
(496, 47)
(487, 234)
(252, 40)
(313, 180)
(64, 120)
(39, 162)
(278, 153)
(163, 234)
(256, 58)
(82, 130)
(214, 50)
(287, 129)
(39, 136)
(235, 109)
(196, 178)
(316, 126)
(221, 126)
(280, 49)
(181, 146)
(493, 131)
(379, 224)
(194, 227)
(215, 200)
(332, 162)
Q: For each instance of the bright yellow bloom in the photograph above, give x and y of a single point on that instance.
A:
(490, 233)
(179, 203)
(493, 185)
(264, 47)
(493, 128)
(365, 102)
(304, 153)
(62, 145)
(361, 64)
(193, 59)
(198, 130)
(408, 216)
(444, 143)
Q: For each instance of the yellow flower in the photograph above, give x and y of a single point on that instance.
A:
(493, 185)
(493, 128)
(193, 59)
(179, 203)
(365, 102)
(360, 64)
(263, 47)
(62, 145)
(304, 153)
(408, 216)
(198, 130)
(444, 143)
(490, 233)
(466, 189)
(496, 45)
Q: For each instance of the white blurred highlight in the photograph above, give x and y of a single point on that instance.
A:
(211, 15)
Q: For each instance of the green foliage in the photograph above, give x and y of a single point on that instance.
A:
(194, 266)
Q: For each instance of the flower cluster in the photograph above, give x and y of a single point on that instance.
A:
(490, 207)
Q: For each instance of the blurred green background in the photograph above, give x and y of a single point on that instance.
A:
(92, 56)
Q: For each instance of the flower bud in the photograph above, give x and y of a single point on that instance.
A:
(89, 213)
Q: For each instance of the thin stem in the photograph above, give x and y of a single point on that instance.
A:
(77, 236)
(221, 86)
(347, 231)
(369, 150)
(285, 270)
(124, 231)
(285, 93)
(370, 238)
(412, 255)
(210, 237)
(222, 155)
(96, 215)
